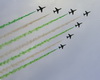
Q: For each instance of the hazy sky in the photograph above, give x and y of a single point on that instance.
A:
(79, 60)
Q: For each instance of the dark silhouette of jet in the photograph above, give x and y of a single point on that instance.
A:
(78, 24)
(69, 36)
(62, 46)
(72, 11)
(86, 13)
(40, 8)
(57, 10)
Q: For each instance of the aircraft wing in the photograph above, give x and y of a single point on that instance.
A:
(73, 13)
(39, 6)
(55, 8)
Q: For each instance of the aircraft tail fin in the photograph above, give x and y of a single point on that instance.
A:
(67, 36)
(59, 47)
(37, 10)
(75, 25)
(54, 11)
(84, 14)
(69, 12)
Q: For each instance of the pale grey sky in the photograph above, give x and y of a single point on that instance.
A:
(79, 60)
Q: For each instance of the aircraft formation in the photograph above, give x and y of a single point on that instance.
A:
(72, 11)
(63, 45)
(60, 46)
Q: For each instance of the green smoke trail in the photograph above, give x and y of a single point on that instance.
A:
(29, 32)
(37, 45)
(25, 65)
(22, 27)
(29, 57)
(37, 38)
(15, 20)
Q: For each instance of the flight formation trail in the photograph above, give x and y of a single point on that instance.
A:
(37, 45)
(15, 20)
(22, 27)
(29, 32)
(23, 60)
(23, 66)
(37, 38)
(5, 72)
